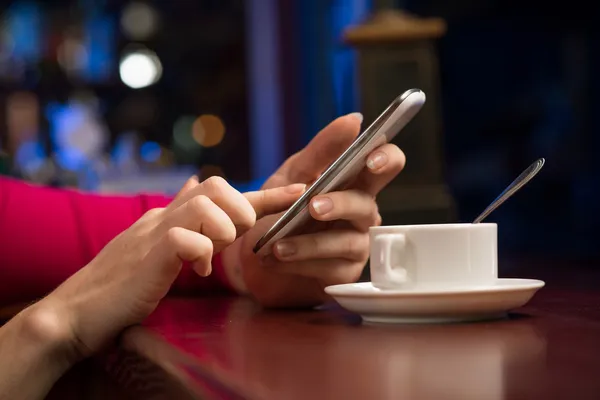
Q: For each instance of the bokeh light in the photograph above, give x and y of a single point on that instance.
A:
(182, 132)
(208, 130)
(139, 20)
(140, 69)
(30, 156)
(150, 152)
(22, 111)
(185, 148)
(72, 55)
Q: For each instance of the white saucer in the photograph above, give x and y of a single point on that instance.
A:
(435, 305)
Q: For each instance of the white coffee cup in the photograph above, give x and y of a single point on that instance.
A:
(434, 256)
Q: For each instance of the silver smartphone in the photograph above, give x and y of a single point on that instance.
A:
(343, 170)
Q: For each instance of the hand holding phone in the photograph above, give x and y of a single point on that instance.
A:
(343, 170)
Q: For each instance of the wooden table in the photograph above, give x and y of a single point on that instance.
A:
(228, 348)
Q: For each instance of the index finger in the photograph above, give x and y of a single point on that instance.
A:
(272, 201)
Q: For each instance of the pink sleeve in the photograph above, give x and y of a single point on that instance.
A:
(47, 234)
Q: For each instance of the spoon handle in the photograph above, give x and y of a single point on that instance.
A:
(517, 184)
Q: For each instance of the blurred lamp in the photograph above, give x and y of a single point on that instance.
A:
(140, 69)
(150, 152)
(30, 156)
(185, 147)
(208, 130)
(139, 20)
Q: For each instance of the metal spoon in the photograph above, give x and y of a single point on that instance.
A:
(512, 188)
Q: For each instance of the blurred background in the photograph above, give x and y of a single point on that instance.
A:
(123, 96)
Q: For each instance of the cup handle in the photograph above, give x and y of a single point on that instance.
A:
(388, 242)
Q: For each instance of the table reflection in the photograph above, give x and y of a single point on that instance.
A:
(296, 355)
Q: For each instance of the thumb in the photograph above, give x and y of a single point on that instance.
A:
(271, 201)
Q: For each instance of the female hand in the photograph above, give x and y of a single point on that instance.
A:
(334, 248)
(128, 278)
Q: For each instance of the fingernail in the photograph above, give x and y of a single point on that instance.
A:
(358, 116)
(285, 249)
(322, 205)
(377, 161)
(195, 178)
(295, 188)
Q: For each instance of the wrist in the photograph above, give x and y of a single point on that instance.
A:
(45, 327)
(35, 351)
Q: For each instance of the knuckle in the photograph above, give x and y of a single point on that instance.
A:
(263, 195)
(206, 247)
(345, 273)
(173, 235)
(356, 272)
(303, 175)
(293, 158)
(247, 219)
(153, 213)
(252, 215)
(246, 214)
(205, 251)
(369, 199)
(340, 275)
(148, 220)
(227, 234)
(216, 184)
(358, 245)
(199, 203)
(314, 245)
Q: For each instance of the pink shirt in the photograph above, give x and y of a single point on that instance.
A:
(47, 234)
